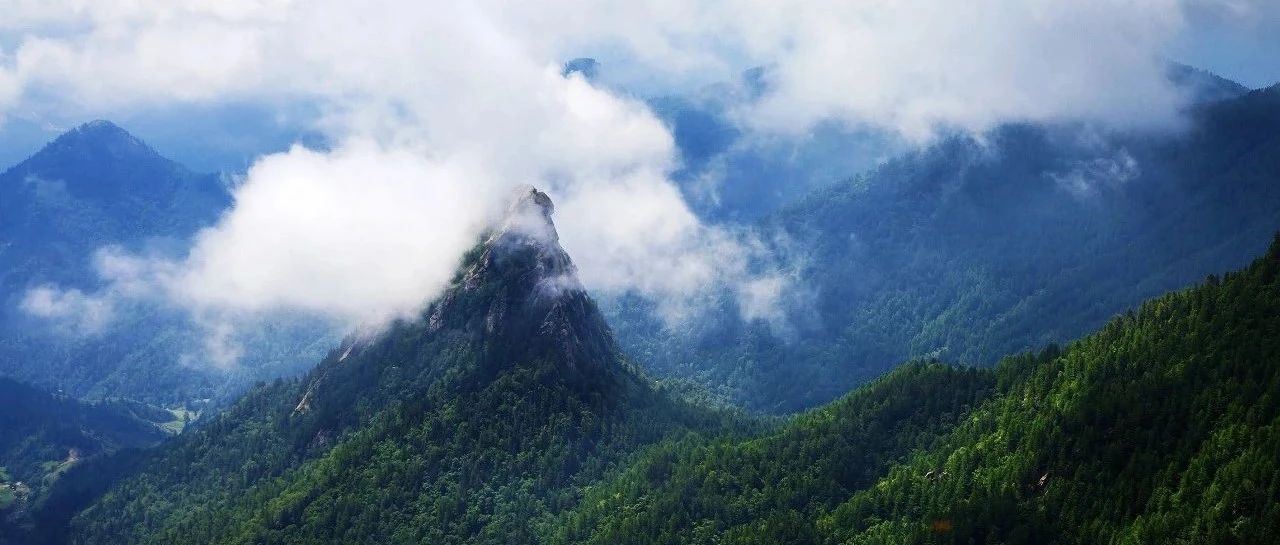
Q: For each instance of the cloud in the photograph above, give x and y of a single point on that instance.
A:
(78, 312)
(425, 150)
(1087, 177)
(360, 233)
(435, 109)
(916, 66)
(913, 66)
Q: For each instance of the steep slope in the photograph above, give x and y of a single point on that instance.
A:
(473, 424)
(1163, 427)
(42, 436)
(971, 250)
(98, 186)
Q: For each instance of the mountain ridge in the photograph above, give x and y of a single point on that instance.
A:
(972, 249)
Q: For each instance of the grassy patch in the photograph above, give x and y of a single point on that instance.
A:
(181, 418)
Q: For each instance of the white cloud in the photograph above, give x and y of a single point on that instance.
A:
(1087, 177)
(913, 66)
(80, 313)
(435, 109)
(360, 233)
(917, 66)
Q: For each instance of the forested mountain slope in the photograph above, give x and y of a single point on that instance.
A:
(970, 250)
(1162, 427)
(474, 424)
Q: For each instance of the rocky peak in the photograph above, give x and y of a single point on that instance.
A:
(527, 217)
(525, 244)
(515, 301)
(526, 287)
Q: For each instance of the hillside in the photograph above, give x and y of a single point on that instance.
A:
(42, 436)
(1162, 427)
(970, 250)
(476, 423)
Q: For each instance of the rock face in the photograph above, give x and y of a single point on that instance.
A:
(526, 288)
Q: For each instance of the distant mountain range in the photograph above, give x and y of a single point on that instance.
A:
(966, 250)
(972, 249)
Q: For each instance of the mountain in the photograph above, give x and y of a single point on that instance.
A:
(728, 174)
(477, 422)
(98, 186)
(1202, 86)
(969, 250)
(93, 186)
(1162, 427)
(42, 436)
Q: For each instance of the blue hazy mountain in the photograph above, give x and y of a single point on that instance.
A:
(221, 137)
(97, 186)
(736, 175)
(969, 250)
(93, 186)
(1202, 86)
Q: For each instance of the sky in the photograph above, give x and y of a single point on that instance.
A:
(1236, 40)
(430, 112)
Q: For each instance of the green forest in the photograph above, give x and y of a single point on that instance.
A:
(1163, 427)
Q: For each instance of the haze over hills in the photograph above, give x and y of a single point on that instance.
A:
(507, 410)
(65, 214)
(854, 245)
(970, 250)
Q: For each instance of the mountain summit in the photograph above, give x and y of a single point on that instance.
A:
(101, 162)
(528, 290)
(104, 138)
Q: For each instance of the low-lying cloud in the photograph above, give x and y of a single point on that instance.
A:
(76, 311)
